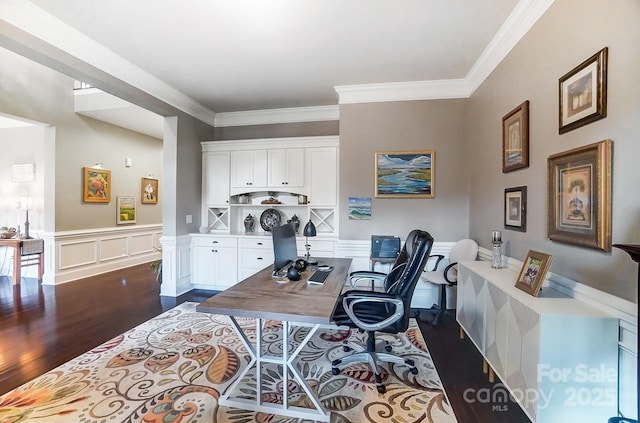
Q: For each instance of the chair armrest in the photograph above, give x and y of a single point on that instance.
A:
(353, 298)
(363, 275)
(446, 273)
(439, 258)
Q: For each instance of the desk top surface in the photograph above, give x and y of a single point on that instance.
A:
(260, 296)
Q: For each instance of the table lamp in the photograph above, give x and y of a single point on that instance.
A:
(25, 204)
(309, 230)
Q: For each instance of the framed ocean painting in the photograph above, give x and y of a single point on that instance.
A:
(405, 174)
(360, 208)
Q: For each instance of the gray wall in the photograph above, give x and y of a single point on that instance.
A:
(566, 35)
(35, 92)
(402, 126)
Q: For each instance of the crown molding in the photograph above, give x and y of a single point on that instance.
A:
(273, 116)
(518, 23)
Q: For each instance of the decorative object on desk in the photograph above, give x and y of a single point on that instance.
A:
(583, 93)
(579, 196)
(296, 222)
(25, 204)
(309, 231)
(248, 223)
(408, 174)
(359, 208)
(515, 138)
(293, 274)
(533, 272)
(96, 185)
(7, 233)
(496, 251)
(515, 208)
(270, 218)
(163, 352)
(126, 209)
(300, 265)
(302, 199)
(149, 192)
(273, 198)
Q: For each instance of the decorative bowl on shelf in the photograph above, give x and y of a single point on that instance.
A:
(7, 233)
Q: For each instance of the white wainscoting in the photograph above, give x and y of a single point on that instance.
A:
(625, 311)
(176, 265)
(72, 255)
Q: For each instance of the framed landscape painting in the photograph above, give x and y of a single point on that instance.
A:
(405, 174)
(126, 209)
(96, 185)
(579, 196)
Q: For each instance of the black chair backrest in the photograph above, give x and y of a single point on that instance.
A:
(401, 261)
(404, 282)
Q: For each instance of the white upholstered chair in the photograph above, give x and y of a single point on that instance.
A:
(465, 249)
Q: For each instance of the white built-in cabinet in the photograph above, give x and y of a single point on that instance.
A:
(556, 355)
(285, 168)
(292, 169)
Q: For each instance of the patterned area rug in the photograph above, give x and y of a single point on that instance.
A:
(173, 369)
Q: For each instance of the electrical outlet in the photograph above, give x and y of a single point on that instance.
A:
(189, 218)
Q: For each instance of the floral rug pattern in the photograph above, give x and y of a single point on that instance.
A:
(174, 367)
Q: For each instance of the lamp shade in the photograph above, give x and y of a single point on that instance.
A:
(309, 229)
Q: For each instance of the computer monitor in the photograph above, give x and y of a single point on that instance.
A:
(285, 250)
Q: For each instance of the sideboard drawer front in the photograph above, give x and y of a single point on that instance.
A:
(256, 259)
(210, 241)
(260, 243)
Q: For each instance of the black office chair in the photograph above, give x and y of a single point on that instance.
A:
(621, 420)
(359, 276)
(387, 311)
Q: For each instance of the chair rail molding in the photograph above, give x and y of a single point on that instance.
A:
(71, 255)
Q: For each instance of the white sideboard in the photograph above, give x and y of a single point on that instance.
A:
(557, 356)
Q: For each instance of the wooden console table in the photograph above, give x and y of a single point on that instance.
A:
(33, 252)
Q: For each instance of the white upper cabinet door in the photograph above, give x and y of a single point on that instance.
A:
(322, 165)
(249, 169)
(215, 178)
(286, 168)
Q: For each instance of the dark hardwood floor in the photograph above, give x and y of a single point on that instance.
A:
(42, 327)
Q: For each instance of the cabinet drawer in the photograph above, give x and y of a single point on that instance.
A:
(261, 243)
(208, 241)
(257, 259)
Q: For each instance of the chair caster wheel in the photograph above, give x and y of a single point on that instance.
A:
(336, 363)
(409, 362)
(388, 348)
(335, 371)
(381, 389)
(414, 371)
(346, 348)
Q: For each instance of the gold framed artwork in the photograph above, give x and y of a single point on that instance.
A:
(96, 185)
(583, 93)
(149, 191)
(405, 174)
(515, 138)
(579, 196)
(126, 209)
(534, 269)
(515, 208)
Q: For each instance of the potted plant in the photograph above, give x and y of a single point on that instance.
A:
(156, 266)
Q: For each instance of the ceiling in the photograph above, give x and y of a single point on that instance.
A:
(217, 57)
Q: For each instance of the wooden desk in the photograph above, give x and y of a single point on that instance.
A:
(262, 298)
(32, 259)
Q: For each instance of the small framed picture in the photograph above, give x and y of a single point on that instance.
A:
(96, 185)
(515, 138)
(533, 272)
(515, 208)
(583, 93)
(579, 196)
(126, 209)
(149, 191)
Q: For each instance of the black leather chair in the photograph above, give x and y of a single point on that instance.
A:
(387, 311)
(356, 278)
(621, 420)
